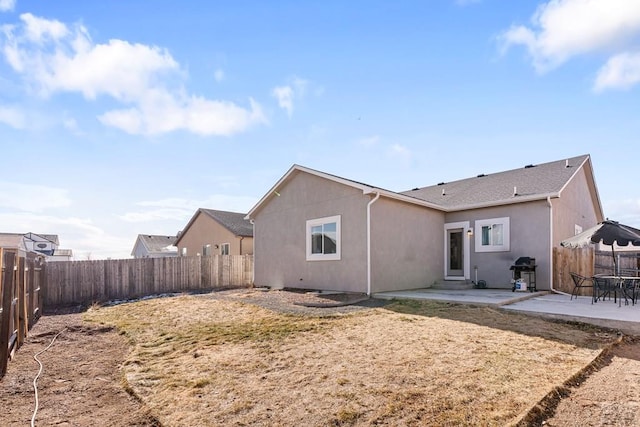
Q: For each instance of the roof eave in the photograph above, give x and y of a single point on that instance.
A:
(514, 200)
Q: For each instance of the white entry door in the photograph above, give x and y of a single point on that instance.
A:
(456, 251)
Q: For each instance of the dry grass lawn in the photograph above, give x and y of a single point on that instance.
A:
(197, 360)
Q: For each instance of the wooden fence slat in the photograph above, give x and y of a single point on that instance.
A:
(86, 282)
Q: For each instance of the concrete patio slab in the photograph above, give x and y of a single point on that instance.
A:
(608, 313)
(468, 296)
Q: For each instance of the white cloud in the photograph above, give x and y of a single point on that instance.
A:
(13, 117)
(7, 5)
(621, 71)
(296, 89)
(284, 95)
(401, 152)
(562, 29)
(218, 75)
(56, 58)
(32, 198)
(369, 141)
(182, 210)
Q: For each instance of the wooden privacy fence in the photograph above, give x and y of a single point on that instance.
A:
(588, 262)
(86, 282)
(20, 300)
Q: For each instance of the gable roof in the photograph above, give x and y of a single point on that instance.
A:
(365, 188)
(156, 243)
(532, 182)
(235, 222)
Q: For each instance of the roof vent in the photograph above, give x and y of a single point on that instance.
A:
(529, 166)
(415, 189)
(481, 175)
(515, 191)
(443, 193)
(441, 183)
(566, 164)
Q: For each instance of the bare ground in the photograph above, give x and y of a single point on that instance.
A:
(83, 382)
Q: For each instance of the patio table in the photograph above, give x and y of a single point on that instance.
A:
(620, 282)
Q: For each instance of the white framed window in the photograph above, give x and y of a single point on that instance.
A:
(323, 239)
(183, 252)
(492, 235)
(224, 249)
(206, 250)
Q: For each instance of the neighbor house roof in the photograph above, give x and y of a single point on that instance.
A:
(235, 222)
(156, 243)
(53, 238)
(531, 182)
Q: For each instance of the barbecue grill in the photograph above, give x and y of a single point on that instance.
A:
(524, 269)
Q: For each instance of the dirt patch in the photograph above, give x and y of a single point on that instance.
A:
(248, 357)
(81, 382)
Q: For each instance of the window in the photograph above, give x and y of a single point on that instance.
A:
(206, 250)
(184, 252)
(224, 249)
(492, 235)
(323, 239)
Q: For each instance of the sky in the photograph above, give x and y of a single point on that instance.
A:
(123, 118)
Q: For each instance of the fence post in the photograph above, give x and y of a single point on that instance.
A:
(7, 260)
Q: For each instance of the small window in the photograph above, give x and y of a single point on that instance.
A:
(206, 250)
(184, 252)
(224, 249)
(493, 235)
(323, 239)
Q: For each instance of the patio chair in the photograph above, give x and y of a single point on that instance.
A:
(603, 287)
(630, 290)
(580, 281)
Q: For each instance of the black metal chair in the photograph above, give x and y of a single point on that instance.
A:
(629, 289)
(603, 287)
(580, 281)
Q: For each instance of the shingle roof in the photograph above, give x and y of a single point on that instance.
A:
(233, 221)
(491, 189)
(157, 243)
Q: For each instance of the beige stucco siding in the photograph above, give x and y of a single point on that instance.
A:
(206, 231)
(406, 246)
(280, 236)
(529, 236)
(574, 207)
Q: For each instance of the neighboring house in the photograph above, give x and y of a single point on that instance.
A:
(315, 230)
(154, 246)
(44, 244)
(213, 232)
(61, 255)
(13, 241)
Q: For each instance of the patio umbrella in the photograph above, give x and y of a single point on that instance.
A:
(607, 232)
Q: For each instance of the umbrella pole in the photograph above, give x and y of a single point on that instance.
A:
(615, 262)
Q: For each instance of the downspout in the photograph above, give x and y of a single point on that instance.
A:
(551, 248)
(241, 238)
(371, 202)
(253, 270)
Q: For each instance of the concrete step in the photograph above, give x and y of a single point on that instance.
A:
(453, 285)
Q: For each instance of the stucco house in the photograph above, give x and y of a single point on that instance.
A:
(314, 230)
(154, 246)
(214, 232)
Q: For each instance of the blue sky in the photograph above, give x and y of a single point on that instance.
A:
(120, 118)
